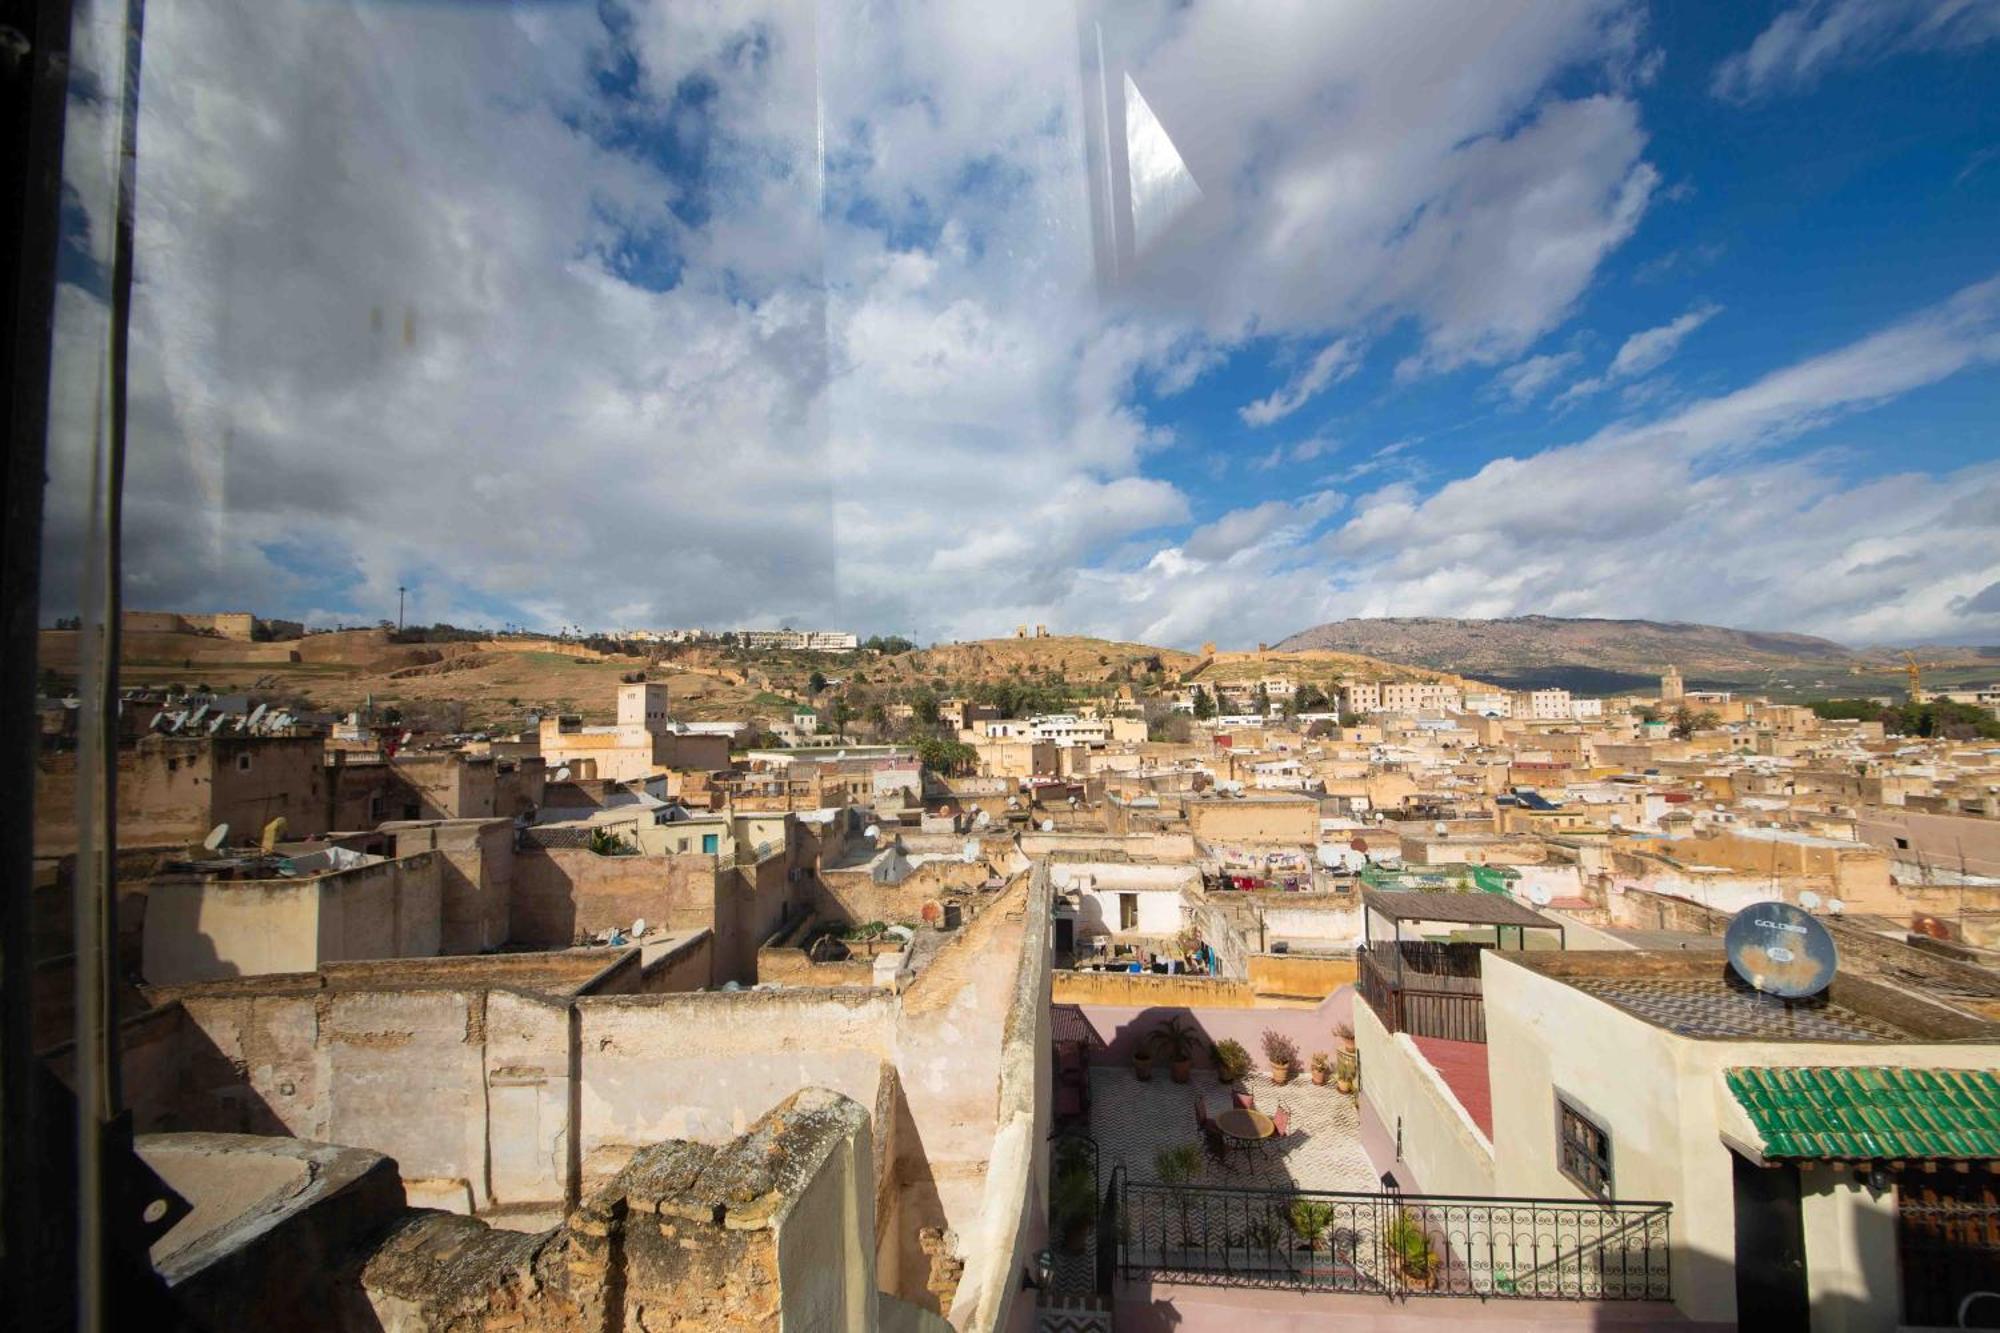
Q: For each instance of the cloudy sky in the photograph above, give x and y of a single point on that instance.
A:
(1166, 321)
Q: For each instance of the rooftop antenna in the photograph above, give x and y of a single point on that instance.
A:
(1781, 950)
(400, 590)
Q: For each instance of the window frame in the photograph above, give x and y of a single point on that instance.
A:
(1568, 1109)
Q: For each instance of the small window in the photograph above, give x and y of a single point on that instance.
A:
(1903, 844)
(242, 763)
(375, 808)
(1128, 911)
(1583, 1149)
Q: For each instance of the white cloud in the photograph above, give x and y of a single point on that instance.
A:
(419, 303)
(1523, 380)
(1808, 39)
(1333, 363)
(1643, 352)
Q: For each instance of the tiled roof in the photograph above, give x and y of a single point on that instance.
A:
(1863, 1112)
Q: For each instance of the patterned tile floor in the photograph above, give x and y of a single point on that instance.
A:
(1131, 1121)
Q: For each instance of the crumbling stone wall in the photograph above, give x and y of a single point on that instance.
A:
(772, 1230)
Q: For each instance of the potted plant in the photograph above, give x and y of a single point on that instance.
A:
(1410, 1251)
(1310, 1221)
(1346, 1074)
(1282, 1052)
(1142, 1058)
(1232, 1062)
(1073, 1207)
(1322, 1068)
(1177, 1042)
(1177, 1168)
(1346, 1034)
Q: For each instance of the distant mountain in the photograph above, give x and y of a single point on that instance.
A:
(1560, 650)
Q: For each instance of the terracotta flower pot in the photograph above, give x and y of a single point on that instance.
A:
(1142, 1065)
(1281, 1073)
(1320, 1076)
(1181, 1070)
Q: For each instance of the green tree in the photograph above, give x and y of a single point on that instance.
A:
(839, 715)
(816, 682)
(947, 758)
(1204, 705)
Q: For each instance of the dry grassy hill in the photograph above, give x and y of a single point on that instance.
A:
(1078, 660)
(1317, 667)
(497, 680)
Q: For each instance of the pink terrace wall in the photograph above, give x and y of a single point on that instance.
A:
(1114, 1028)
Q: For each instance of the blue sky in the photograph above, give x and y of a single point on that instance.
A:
(766, 311)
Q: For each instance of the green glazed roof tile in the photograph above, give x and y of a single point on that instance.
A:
(1856, 1112)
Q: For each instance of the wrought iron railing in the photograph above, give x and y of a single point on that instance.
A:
(1449, 1006)
(1395, 1244)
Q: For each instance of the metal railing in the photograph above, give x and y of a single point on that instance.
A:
(1451, 1007)
(1395, 1245)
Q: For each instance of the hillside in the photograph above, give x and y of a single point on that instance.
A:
(497, 680)
(1520, 642)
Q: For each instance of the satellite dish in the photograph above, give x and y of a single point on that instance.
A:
(872, 831)
(1539, 894)
(217, 836)
(981, 820)
(1048, 826)
(970, 852)
(1061, 876)
(1835, 906)
(1808, 900)
(1781, 950)
(639, 928)
(1329, 855)
(562, 774)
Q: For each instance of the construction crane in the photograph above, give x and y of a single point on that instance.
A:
(1915, 671)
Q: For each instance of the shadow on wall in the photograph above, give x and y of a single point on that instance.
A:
(1112, 1032)
(178, 1081)
(921, 1279)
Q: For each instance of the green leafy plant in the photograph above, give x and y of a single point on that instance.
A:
(1178, 1165)
(1410, 1244)
(1073, 1204)
(1175, 1039)
(607, 843)
(1232, 1062)
(1310, 1221)
(1264, 1233)
(1322, 1067)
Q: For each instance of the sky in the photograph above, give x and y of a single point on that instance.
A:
(1168, 322)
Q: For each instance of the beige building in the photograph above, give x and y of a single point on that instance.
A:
(1776, 1145)
(645, 740)
(1255, 818)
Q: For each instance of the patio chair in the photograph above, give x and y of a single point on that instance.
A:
(1215, 1144)
(1281, 1129)
(1245, 1100)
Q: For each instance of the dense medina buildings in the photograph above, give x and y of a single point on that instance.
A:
(1100, 1023)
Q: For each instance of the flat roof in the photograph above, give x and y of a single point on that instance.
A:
(1468, 909)
(1695, 993)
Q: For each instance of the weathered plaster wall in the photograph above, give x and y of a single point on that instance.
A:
(476, 878)
(704, 1066)
(1299, 976)
(202, 930)
(564, 894)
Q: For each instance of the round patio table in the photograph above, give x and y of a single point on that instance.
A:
(1243, 1123)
